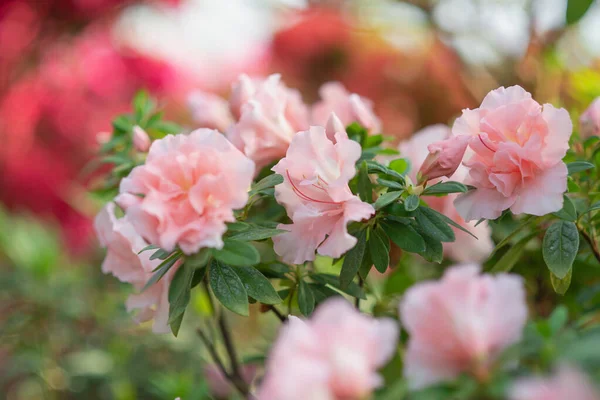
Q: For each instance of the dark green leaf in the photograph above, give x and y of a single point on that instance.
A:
(257, 286)
(322, 292)
(357, 132)
(434, 225)
(512, 235)
(560, 246)
(199, 274)
(375, 167)
(385, 199)
(238, 226)
(390, 184)
(228, 288)
(593, 207)
(237, 253)
(199, 259)
(365, 188)
(568, 212)
(576, 9)
(306, 299)
(579, 166)
(257, 233)
(379, 249)
(149, 247)
(445, 188)
(160, 254)
(161, 270)
(411, 203)
(434, 250)
(405, 237)
(265, 183)
(179, 295)
(353, 260)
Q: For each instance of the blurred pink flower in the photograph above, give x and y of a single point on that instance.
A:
(122, 260)
(334, 355)
(270, 114)
(348, 107)
(219, 386)
(316, 196)
(141, 140)
(568, 383)
(460, 324)
(465, 248)
(518, 148)
(210, 110)
(589, 122)
(190, 185)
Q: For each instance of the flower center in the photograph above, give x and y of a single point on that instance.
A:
(321, 184)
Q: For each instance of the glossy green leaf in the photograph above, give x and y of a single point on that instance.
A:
(353, 260)
(228, 287)
(257, 285)
(385, 199)
(560, 246)
(365, 187)
(237, 253)
(266, 183)
(434, 224)
(445, 188)
(411, 203)
(379, 249)
(255, 233)
(404, 236)
(579, 166)
(306, 299)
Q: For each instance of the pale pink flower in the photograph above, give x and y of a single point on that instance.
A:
(465, 248)
(316, 196)
(219, 386)
(349, 107)
(141, 140)
(589, 122)
(517, 163)
(444, 158)
(270, 114)
(567, 384)
(460, 324)
(334, 355)
(122, 260)
(187, 190)
(210, 111)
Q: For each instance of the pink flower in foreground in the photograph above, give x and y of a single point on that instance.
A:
(270, 114)
(465, 248)
(567, 384)
(219, 386)
(460, 324)
(210, 111)
(187, 190)
(348, 107)
(316, 196)
(334, 355)
(123, 261)
(589, 122)
(517, 163)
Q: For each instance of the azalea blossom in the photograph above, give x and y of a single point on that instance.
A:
(124, 261)
(187, 190)
(589, 122)
(461, 323)
(568, 383)
(349, 107)
(465, 248)
(334, 355)
(316, 196)
(210, 111)
(517, 146)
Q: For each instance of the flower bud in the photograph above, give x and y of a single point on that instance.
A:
(241, 92)
(589, 122)
(333, 126)
(444, 158)
(141, 140)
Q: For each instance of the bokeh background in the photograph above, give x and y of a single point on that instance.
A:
(67, 67)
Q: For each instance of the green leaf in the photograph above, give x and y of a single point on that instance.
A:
(434, 249)
(256, 233)
(199, 259)
(510, 258)
(257, 285)
(353, 260)
(160, 254)
(238, 226)
(332, 280)
(560, 246)
(166, 127)
(142, 105)
(179, 296)
(372, 141)
(593, 207)
(357, 132)
(123, 124)
(576, 9)
(579, 166)
(390, 184)
(228, 288)
(375, 167)
(237, 253)
(399, 165)
(559, 285)
(434, 225)
(445, 188)
(266, 183)
(559, 317)
(149, 247)
(306, 299)
(385, 199)
(568, 212)
(405, 237)
(365, 187)
(379, 249)
(321, 292)
(512, 235)
(411, 203)
(161, 270)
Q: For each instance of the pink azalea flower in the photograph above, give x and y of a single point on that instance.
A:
(123, 261)
(465, 248)
(348, 107)
(334, 355)
(517, 163)
(316, 196)
(568, 383)
(269, 113)
(187, 190)
(460, 324)
(589, 122)
(210, 110)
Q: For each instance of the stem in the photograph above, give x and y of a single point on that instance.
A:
(361, 283)
(279, 315)
(236, 377)
(213, 353)
(591, 242)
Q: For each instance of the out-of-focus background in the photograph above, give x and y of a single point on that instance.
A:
(67, 67)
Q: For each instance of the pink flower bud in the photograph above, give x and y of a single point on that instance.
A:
(333, 126)
(444, 158)
(589, 122)
(241, 92)
(141, 140)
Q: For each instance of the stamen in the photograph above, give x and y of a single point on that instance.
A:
(304, 196)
